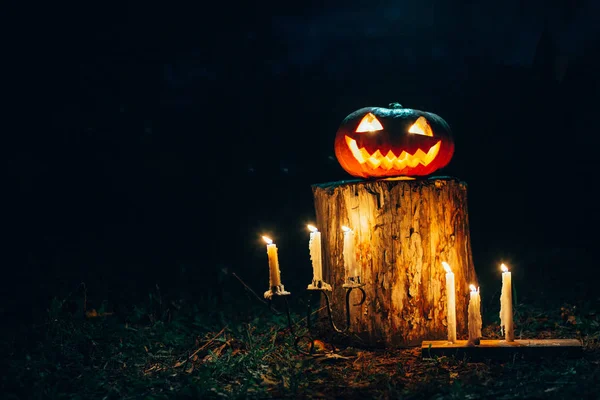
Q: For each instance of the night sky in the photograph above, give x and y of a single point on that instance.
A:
(157, 143)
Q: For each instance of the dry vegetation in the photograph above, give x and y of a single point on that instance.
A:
(180, 349)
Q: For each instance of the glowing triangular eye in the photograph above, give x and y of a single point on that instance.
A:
(421, 127)
(369, 123)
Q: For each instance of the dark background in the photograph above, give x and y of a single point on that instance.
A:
(157, 143)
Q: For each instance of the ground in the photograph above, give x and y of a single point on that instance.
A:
(162, 349)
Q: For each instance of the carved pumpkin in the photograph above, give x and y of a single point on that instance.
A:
(395, 141)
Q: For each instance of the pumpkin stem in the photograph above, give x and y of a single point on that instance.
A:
(395, 105)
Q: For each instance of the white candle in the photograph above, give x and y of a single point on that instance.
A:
(475, 322)
(314, 246)
(451, 303)
(506, 313)
(350, 264)
(274, 275)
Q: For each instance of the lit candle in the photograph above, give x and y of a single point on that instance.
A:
(451, 303)
(314, 245)
(350, 264)
(506, 313)
(474, 316)
(274, 276)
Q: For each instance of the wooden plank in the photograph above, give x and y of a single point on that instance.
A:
(503, 350)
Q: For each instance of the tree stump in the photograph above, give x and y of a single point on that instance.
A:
(404, 229)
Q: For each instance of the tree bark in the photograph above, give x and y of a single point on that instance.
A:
(404, 229)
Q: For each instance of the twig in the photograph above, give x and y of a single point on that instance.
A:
(207, 343)
(311, 314)
(264, 302)
(84, 297)
(248, 288)
(204, 346)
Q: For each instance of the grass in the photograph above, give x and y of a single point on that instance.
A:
(182, 349)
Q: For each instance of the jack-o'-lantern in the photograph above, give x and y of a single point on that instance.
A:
(396, 141)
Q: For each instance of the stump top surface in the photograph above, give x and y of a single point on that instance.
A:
(395, 180)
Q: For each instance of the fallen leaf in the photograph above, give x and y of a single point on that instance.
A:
(266, 381)
(94, 314)
(332, 357)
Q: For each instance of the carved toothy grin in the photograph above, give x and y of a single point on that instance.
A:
(390, 160)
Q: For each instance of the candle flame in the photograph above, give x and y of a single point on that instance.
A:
(345, 228)
(504, 268)
(473, 288)
(312, 228)
(446, 266)
(267, 239)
